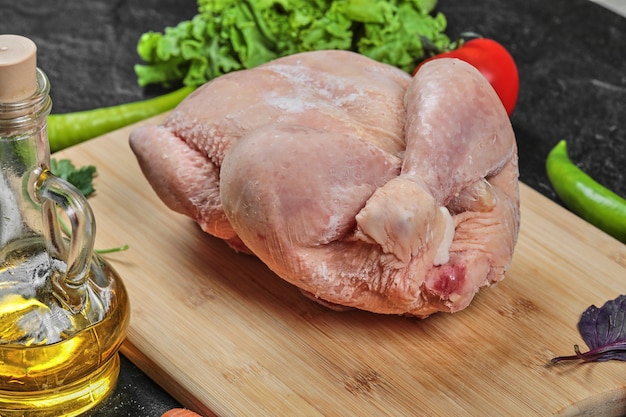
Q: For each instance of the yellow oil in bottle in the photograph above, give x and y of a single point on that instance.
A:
(66, 377)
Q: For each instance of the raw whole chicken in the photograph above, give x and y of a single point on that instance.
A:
(359, 184)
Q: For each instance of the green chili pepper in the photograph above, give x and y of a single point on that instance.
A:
(584, 196)
(69, 129)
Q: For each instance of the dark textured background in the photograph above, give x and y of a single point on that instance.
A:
(570, 55)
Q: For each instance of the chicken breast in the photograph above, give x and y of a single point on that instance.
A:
(361, 185)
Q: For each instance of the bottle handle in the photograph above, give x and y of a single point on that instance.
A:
(53, 191)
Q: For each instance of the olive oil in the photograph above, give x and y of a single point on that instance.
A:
(66, 377)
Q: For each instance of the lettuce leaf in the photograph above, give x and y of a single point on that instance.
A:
(226, 36)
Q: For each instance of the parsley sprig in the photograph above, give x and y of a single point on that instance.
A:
(82, 178)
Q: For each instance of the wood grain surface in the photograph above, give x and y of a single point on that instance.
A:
(226, 336)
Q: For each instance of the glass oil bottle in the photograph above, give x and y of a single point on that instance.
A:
(63, 310)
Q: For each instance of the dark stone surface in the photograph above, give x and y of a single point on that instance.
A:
(569, 52)
(135, 395)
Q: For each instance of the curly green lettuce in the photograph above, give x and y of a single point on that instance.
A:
(226, 36)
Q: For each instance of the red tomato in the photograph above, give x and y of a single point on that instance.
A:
(494, 62)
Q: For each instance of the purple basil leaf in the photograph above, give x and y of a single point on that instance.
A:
(617, 355)
(600, 327)
(604, 331)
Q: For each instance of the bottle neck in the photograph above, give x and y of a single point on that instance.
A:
(23, 148)
(26, 116)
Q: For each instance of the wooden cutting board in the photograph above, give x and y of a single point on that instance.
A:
(225, 336)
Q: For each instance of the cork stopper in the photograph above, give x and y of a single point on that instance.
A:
(18, 68)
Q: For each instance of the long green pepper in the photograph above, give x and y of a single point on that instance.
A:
(69, 129)
(584, 196)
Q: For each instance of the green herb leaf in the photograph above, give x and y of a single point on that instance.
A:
(81, 178)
